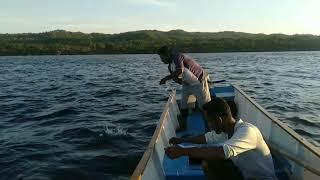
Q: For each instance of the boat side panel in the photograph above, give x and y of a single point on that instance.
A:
(168, 126)
(153, 169)
(174, 115)
(266, 124)
(252, 115)
(278, 134)
(160, 144)
(284, 127)
(309, 175)
(249, 113)
(151, 164)
(281, 139)
(315, 164)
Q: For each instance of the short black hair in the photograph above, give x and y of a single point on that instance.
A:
(163, 50)
(217, 107)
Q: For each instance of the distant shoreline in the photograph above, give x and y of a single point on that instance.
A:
(156, 54)
(62, 42)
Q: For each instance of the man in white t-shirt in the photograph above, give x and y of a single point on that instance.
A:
(243, 144)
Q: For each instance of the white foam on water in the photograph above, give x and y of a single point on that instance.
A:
(168, 87)
(115, 131)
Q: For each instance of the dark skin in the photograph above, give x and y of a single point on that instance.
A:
(209, 153)
(218, 124)
(166, 59)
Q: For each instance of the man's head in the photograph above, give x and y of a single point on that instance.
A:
(217, 114)
(165, 53)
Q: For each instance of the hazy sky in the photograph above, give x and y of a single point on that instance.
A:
(114, 16)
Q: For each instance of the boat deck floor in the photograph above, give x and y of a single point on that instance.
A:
(181, 168)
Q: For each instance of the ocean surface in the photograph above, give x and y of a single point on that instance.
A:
(91, 117)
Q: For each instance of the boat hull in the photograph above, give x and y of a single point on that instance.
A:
(296, 158)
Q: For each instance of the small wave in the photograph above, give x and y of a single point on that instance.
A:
(115, 131)
(277, 108)
(90, 84)
(305, 122)
(73, 77)
(128, 158)
(56, 113)
(97, 125)
(50, 88)
(115, 111)
(306, 133)
(110, 93)
(75, 133)
(267, 84)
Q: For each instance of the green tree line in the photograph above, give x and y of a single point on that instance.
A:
(148, 41)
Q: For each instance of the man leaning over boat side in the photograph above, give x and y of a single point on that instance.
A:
(186, 71)
(245, 146)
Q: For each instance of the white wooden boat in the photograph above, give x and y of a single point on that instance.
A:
(295, 157)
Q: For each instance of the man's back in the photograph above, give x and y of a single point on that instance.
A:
(249, 152)
(184, 61)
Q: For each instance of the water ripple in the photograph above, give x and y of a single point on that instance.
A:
(91, 117)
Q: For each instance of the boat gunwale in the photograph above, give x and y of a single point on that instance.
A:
(282, 125)
(150, 148)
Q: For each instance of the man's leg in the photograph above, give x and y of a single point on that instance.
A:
(184, 107)
(205, 90)
(221, 169)
(202, 93)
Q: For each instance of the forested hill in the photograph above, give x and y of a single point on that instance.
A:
(148, 41)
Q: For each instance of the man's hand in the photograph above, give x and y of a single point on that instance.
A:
(163, 80)
(174, 152)
(175, 141)
(177, 80)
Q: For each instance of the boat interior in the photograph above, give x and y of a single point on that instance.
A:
(185, 168)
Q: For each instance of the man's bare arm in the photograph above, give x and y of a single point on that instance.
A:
(174, 75)
(208, 153)
(195, 140)
(205, 153)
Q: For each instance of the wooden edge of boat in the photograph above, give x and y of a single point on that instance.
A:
(282, 125)
(150, 148)
(139, 170)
